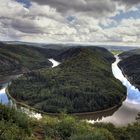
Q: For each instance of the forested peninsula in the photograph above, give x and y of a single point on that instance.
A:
(83, 82)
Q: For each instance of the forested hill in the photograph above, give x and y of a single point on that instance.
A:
(19, 58)
(72, 52)
(131, 66)
(127, 54)
(83, 82)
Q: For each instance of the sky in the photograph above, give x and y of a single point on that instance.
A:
(103, 22)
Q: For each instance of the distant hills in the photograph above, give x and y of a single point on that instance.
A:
(20, 58)
(66, 45)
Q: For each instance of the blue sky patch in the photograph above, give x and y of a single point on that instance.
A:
(71, 19)
(26, 3)
(127, 15)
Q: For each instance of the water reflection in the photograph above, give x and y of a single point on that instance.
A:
(4, 81)
(98, 116)
(3, 96)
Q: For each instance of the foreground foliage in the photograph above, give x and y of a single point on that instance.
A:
(15, 125)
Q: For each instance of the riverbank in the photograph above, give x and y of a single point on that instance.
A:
(21, 104)
(129, 79)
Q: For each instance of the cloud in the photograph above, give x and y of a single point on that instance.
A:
(129, 2)
(127, 31)
(93, 7)
(67, 21)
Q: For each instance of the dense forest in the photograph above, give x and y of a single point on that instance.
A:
(15, 125)
(83, 82)
(16, 59)
(130, 65)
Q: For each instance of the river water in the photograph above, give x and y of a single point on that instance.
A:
(121, 116)
(3, 96)
(55, 63)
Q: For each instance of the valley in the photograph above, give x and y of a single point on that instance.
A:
(78, 73)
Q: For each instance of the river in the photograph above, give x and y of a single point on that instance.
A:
(129, 109)
(120, 116)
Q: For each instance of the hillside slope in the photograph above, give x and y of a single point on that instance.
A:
(74, 51)
(83, 82)
(21, 58)
(130, 65)
(130, 53)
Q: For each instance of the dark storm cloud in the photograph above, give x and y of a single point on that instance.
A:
(23, 25)
(99, 7)
(67, 2)
(129, 2)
